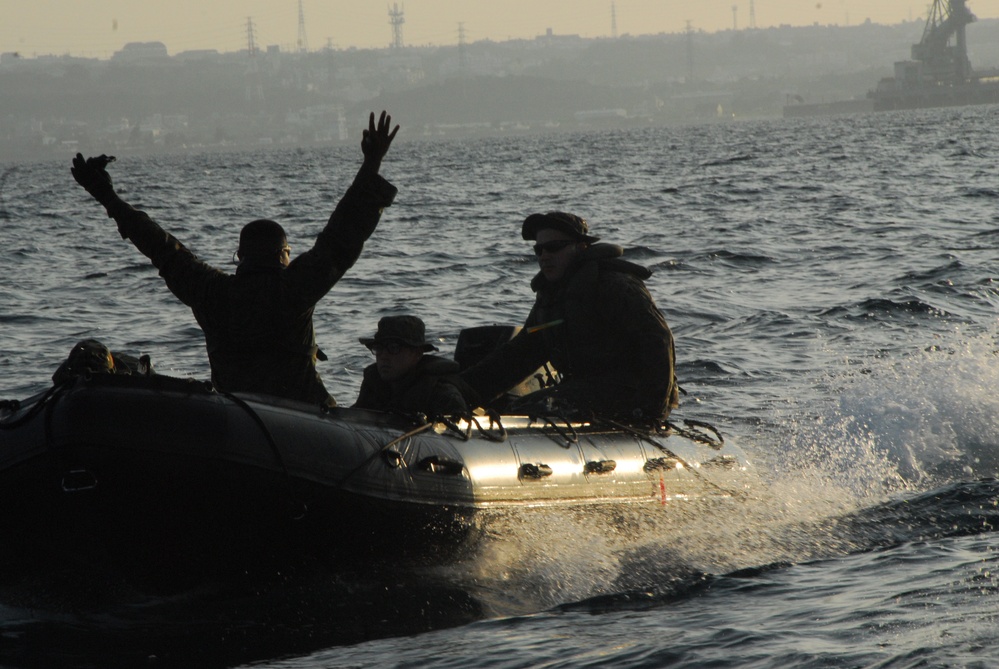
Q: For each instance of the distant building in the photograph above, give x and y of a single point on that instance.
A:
(141, 52)
(550, 39)
(599, 115)
(198, 54)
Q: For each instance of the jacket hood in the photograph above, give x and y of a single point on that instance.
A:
(609, 258)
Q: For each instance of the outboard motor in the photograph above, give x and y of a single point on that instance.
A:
(474, 344)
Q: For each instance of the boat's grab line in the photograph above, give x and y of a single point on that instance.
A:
(570, 435)
(384, 449)
(464, 435)
(696, 435)
(15, 406)
(669, 452)
(297, 508)
(494, 419)
(416, 430)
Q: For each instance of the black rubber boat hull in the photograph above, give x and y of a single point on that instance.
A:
(168, 479)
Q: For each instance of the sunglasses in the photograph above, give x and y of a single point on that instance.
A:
(284, 250)
(553, 246)
(390, 347)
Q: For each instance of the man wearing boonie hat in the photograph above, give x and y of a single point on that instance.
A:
(404, 378)
(596, 322)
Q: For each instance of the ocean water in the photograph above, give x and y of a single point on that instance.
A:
(831, 286)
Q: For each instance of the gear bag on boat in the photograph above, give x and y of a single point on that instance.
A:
(90, 356)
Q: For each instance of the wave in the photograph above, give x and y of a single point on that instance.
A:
(743, 157)
(884, 308)
(964, 509)
(735, 259)
(981, 192)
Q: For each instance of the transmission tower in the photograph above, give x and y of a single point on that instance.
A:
(254, 83)
(462, 52)
(690, 54)
(251, 45)
(303, 41)
(396, 19)
(752, 14)
(614, 20)
(735, 18)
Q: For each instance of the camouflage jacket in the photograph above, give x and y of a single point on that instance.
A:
(430, 388)
(258, 322)
(602, 331)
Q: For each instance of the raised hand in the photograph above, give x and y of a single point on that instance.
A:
(376, 141)
(91, 173)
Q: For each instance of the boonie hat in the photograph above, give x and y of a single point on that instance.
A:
(406, 329)
(557, 220)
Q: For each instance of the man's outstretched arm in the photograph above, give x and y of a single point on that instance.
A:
(357, 213)
(376, 141)
(133, 224)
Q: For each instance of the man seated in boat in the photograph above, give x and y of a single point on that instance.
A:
(596, 322)
(404, 377)
(258, 321)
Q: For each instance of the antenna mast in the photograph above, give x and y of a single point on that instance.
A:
(396, 19)
(303, 42)
(254, 84)
(462, 53)
(251, 46)
(690, 53)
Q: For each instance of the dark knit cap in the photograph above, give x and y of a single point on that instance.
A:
(557, 220)
(406, 329)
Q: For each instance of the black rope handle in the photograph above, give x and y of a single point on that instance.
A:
(452, 426)
(695, 434)
(570, 435)
(494, 419)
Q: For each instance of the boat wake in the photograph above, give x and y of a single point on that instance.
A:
(902, 449)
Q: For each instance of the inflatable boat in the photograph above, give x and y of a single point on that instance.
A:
(167, 475)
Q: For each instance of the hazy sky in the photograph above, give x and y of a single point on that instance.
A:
(100, 27)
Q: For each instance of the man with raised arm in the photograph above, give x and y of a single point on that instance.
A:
(258, 321)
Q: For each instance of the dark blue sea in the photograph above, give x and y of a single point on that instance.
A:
(831, 284)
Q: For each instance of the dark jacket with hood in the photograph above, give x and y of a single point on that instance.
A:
(602, 331)
(429, 388)
(258, 322)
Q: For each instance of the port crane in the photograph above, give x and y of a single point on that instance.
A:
(940, 60)
(939, 73)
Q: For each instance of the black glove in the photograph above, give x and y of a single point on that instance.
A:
(447, 401)
(92, 175)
